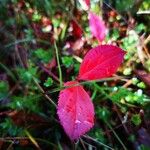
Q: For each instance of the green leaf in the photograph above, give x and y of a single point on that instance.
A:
(10, 128)
(115, 35)
(36, 16)
(67, 61)
(44, 55)
(141, 85)
(127, 71)
(27, 75)
(140, 27)
(135, 81)
(3, 89)
(132, 138)
(48, 82)
(136, 119)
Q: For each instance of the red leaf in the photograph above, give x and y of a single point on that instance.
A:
(101, 62)
(75, 110)
(77, 31)
(97, 26)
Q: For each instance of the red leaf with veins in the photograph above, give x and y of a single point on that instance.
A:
(101, 62)
(97, 26)
(75, 110)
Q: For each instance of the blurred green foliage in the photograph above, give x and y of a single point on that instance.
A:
(136, 119)
(44, 55)
(4, 89)
(8, 127)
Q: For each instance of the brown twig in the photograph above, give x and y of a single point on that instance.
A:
(120, 118)
(49, 72)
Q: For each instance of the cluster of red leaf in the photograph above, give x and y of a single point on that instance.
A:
(75, 108)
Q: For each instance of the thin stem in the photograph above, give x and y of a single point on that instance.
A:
(49, 72)
(58, 63)
(102, 90)
(82, 143)
(32, 139)
(84, 82)
(12, 139)
(8, 71)
(43, 92)
(124, 147)
(100, 143)
(88, 144)
(18, 42)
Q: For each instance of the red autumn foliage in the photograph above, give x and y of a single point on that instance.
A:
(101, 62)
(75, 110)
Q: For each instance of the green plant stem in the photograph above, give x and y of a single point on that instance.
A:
(58, 63)
(32, 139)
(84, 82)
(100, 143)
(124, 147)
(102, 90)
(94, 94)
